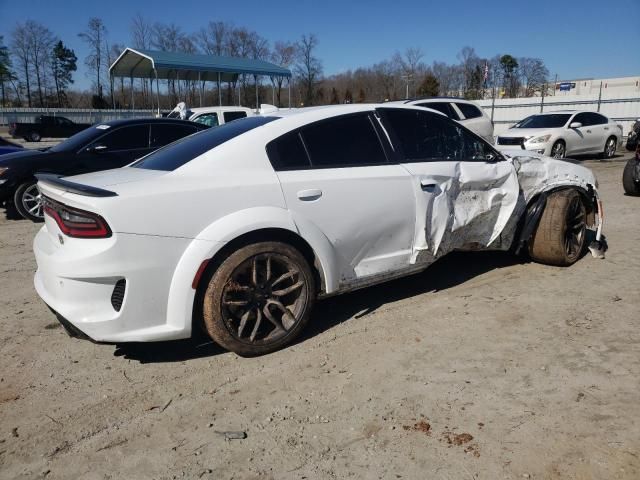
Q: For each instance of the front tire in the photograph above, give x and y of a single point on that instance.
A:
(610, 147)
(259, 299)
(560, 236)
(35, 137)
(28, 202)
(630, 182)
(559, 149)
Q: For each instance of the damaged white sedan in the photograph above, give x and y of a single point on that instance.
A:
(239, 229)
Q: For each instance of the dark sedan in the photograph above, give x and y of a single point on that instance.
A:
(100, 147)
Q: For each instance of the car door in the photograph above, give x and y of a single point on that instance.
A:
(117, 148)
(582, 139)
(337, 180)
(601, 131)
(465, 192)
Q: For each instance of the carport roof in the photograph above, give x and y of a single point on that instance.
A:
(187, 66)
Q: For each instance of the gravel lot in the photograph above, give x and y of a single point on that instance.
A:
(482, 367)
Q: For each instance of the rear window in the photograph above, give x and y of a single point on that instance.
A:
(442, 107)
(186, 149)
(288, 153)
(469, 111)
(231, 116)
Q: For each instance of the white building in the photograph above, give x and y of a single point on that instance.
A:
(611, 87)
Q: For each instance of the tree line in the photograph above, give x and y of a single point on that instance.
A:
(37, 68)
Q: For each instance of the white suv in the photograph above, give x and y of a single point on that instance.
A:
(214, 116)
(462, 111)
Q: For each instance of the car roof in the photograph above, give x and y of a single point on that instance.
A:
(138, 121)
(436, 99)
(219, 109)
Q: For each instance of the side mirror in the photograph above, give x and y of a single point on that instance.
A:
(575, 125)
(97, 148)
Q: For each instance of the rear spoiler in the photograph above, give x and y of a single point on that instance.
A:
(58, 182)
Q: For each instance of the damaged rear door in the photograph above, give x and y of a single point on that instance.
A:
(466, 193)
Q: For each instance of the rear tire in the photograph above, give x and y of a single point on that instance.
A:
(27, 201)
(35, 137)
(259, 299)
(610, 147)
(560, 236)
(630, 183)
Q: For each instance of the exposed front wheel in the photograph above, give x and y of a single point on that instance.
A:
(259, 299)
(631, 177)
(35, 137)
(560, 236)
(28, 201)
(610, 148)
(558, 150)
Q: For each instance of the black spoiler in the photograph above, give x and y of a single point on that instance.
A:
(72, 187)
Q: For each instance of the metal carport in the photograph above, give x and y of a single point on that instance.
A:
(137, 63)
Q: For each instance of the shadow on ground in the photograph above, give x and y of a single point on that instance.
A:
(454, 269)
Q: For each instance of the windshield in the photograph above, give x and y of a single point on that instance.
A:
(186, 149)
(80, 139)
(544, 121)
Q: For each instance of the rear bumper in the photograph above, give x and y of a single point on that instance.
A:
(77, 278)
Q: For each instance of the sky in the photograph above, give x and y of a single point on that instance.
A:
(576, 39)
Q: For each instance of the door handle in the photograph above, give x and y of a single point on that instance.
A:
(310, 194)
(588, 131)
(426, 185)
(606, 128)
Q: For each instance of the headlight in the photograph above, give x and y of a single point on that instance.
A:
(542, 139)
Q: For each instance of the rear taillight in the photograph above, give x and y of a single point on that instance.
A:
(75, 222)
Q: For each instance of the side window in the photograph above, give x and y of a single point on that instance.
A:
(424, 137)
(287, 153)
(474, 149)
(468, 110)
(597, 119)
(63, 121)
(583, 118)
(346, 141)
(208, 119)
(164, 134)
(231, 116)
(443, 107)
(126, 138)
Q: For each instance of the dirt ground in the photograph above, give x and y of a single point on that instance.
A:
(482, 367)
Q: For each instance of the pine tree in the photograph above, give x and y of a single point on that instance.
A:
(63, 63)
(361, 96)
(429, 87)
(6, 75)
(334, 97)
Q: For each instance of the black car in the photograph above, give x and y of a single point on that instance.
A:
(100, 147)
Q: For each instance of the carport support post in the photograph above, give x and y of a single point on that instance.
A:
(157, 91)
(219, 92)
(289, 85)
(255, 77)
(133, 98)
(200, 89)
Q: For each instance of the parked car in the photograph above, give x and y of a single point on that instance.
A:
(631, 174)
(214, 116)
(633, 137)
(565, 132)
(101, 147)
(46, 126)
(462, 111)
(9, 147)
(240, 228)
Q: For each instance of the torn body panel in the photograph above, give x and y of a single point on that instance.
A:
(484, 206)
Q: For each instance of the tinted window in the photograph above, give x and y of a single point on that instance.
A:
(231, 116)
(424, 137)
(584, 118)
(443, 107)
(288, 153)
(469, 111)
(552, 120)
(80, 139)
(208, 119)
(595, 118)
(164, 134)
(64, 121)
(344, 141)
(186, 149)
(126, 138)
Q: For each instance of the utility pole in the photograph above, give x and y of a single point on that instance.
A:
(407, 77)
(600, 96)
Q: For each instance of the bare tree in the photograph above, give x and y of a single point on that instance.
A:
(94, 36)
(141, 34)
(309, 67)
(533, 74)
(21, 50)
(410, 64)
(214, 40)
(283, 55)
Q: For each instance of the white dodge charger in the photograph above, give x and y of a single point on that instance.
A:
(238, 229)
